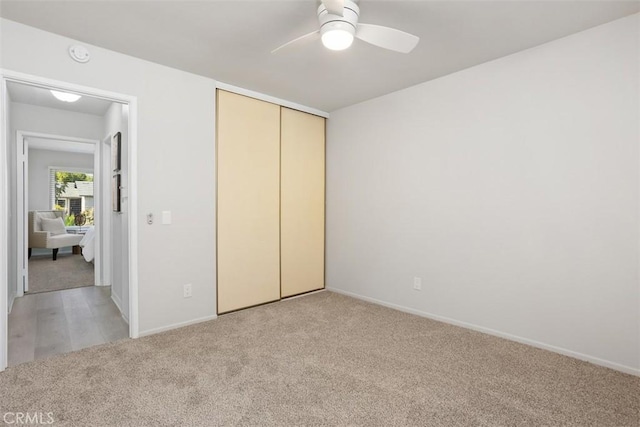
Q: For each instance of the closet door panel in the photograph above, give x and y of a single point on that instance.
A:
(248, 187)
(302, 181)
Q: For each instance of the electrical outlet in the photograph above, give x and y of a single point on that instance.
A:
(417, 283)
(187, 291)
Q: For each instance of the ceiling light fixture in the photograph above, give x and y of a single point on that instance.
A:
(337, 35)
(339, 25)
(65, 97)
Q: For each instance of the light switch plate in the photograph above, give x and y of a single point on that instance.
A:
(166, 217)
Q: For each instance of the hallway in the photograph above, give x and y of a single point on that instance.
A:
(50, 323)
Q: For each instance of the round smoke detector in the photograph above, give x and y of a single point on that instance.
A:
(79, 53)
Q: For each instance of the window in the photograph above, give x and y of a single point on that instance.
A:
(75, 206)
(71, 192)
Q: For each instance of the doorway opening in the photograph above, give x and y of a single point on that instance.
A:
(56, 213)
(71, 280)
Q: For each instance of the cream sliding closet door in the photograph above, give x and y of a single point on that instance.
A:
(248, 156)
(302, 202)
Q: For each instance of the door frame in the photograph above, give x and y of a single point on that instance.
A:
(105, 211)
(22, 201)
(132, 184)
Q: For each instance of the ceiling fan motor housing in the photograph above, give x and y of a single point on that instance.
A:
(348, 22)
(339, 26)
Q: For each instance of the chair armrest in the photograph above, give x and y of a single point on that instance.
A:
(38, 239)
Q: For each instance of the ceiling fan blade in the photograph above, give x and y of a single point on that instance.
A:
(388, 38)
(300, 40)
(334, 7)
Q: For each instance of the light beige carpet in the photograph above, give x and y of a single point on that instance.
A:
(68, 271)
(322, 359)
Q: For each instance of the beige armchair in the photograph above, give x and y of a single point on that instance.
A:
(54, 239)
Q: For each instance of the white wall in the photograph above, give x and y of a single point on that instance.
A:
(176, 145)
(39, 163)
(116, 121)
(34, 118)
(510, 188)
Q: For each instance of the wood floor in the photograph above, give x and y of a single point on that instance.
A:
(49, 323)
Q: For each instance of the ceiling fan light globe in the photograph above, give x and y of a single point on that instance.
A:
(337, 39)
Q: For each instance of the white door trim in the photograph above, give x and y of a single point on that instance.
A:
(4, 221)
(22, 183)
(132, 102)
(106, 211)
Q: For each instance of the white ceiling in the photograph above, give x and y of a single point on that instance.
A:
(231, 41)
(33, 95)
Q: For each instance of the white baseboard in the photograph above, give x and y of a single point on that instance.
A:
(177, 325)
(595, 360)
(116, 300)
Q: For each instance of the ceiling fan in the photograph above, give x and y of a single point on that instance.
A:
(339, 25)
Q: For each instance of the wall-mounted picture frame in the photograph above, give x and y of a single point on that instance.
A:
(116, 154)
(115, 193)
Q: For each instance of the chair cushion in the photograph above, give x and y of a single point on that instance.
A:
(40, 215)
(63, 240)
(53, 226)
(48, 214)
